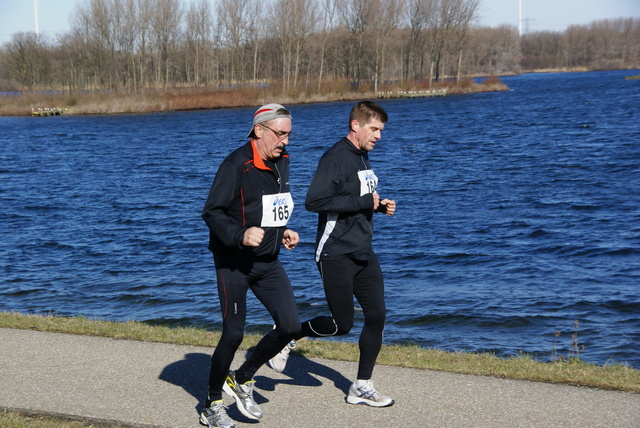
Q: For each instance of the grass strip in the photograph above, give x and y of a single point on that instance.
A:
(572, 371)
(23, 419)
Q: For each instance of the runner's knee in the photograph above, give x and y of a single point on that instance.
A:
(343, 326)
(289, 330)
(375, 319)
(232, 339)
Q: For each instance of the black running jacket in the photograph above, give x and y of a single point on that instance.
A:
(341, 193)
(235, 202)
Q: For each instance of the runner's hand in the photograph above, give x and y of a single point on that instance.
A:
(391, 206)
(253, 236)
(290, 239)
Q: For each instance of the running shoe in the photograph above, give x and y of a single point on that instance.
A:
(216, 416)
(279, 362)
(243, 394)
(363, 392)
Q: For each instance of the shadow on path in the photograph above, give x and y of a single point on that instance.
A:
(192, 374)
(301, 372)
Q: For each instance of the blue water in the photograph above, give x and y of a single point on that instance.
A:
(518, 215)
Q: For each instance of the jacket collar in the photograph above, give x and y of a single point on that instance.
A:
(260, 163)
(353, 148)
(257, 160)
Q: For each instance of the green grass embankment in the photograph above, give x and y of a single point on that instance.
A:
(571, 371)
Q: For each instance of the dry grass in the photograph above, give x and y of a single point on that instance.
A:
(21, 419)
(82, 103)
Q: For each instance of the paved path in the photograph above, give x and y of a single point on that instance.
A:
(150, 384)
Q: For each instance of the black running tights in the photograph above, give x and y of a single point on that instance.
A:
(271, 286)
(343, 279)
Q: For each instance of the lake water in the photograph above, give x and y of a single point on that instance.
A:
(518, 215)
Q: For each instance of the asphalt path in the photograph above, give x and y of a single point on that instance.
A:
(144, 384)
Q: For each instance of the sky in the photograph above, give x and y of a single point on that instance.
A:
(538, 15)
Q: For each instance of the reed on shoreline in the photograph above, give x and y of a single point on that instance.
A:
(183, 99)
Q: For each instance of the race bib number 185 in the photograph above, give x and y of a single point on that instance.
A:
(276, 209)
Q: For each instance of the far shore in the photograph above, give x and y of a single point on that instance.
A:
(57, 101)
(51, 103)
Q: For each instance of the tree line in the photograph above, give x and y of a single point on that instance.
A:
(302, 45)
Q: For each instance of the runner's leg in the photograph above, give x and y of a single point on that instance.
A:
(233, 284)
(274, 290)
(369, 290)
(337, 278)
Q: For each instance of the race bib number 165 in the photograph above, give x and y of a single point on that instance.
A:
(276, 209)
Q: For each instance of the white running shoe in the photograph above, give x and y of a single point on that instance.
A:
(279, 362)
(243, 394)
(216, 416)
(363, 392)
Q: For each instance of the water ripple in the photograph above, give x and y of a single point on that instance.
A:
(517, 216)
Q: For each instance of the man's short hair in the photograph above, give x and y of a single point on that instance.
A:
(366, 111)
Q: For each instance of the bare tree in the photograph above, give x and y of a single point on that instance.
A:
(495, 50)
(293, 21)
(467, 10)
(542, 50)
(420, 17)
(165, 24)
(127, 42)
(26, 60)
(135, 44)
(328, 13)
(232, 15)
(72, 63)
(92, 25)
(385, 23)
(256, 34)
(199, 39)
(450, 17)
(143, 28)
(304, 24)
(357, 16)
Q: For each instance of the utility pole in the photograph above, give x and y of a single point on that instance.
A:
(35, 13)
(520, 17)
(527, 22)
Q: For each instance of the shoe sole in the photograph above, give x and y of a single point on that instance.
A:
(226, 388)
(204, 421)
(356, 400)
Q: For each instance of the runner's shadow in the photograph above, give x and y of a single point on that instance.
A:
(192, 375)
(300, 371)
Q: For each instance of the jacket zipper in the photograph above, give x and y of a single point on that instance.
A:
(279, 181)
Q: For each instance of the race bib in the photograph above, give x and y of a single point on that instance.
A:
(368, 181)
(276, 209)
